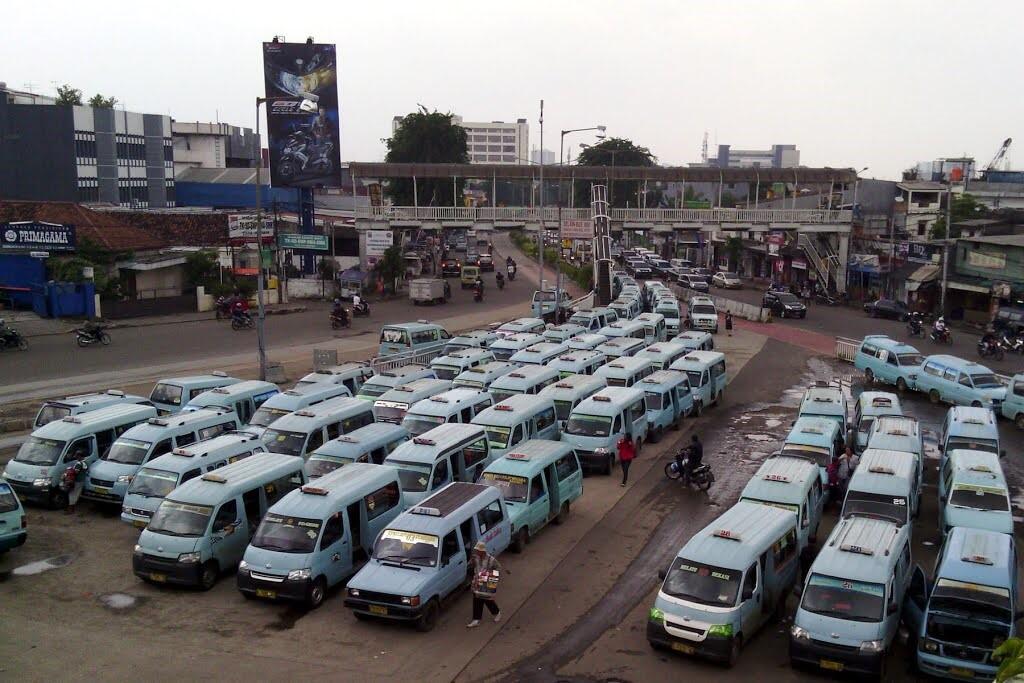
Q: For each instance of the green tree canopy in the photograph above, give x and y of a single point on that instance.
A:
(427, 137)
(202, 268)
(964, 207)
(614, 152)
(101, 102)
(68, 96)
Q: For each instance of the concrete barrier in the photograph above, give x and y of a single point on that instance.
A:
(737, 308)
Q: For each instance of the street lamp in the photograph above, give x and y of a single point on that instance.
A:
(561, 157)
(309, 105)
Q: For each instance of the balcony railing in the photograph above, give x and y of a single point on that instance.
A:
(525, 214)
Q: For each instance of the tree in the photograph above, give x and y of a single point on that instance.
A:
(427, 137)
(391, 267)
(101, 102)
(734, 247)
(964, 207)
(202, 268)
(68, 96)
(728, 200)
(614, 152)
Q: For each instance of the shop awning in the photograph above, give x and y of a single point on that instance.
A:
(922, 276)
(963, 286)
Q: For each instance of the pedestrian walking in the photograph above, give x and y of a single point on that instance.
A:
(728, 323)
(832, 472)
(485, 583)
(73, 481)
(627, 452)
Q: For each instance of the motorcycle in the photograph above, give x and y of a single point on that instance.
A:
(222, 308)
(1012, 344)
(242, 321)
(500, 280)
(703, 477)
(339, 321)
(95, 335)
(301, 154)
(915, 328)
(511, 273)
(361, 309)
(478, 295)
(824, 298)
(10, 338)
(941, 336)
(990, 350)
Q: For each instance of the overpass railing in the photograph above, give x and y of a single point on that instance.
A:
(526, 214)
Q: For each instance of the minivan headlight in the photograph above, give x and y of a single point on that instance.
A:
(353, 592)
(797, 633)
(243, 566)
(721, 630)
(656, 615)
(872, 646)
(600, 451)
(412, 601)
(125, 478)
(298, 574)
(188, 558)
(929, 645)
(42, 483)
(137, 550)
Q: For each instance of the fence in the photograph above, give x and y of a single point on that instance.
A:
(397, 360)
(737, 308)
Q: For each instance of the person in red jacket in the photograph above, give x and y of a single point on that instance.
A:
(627, 451)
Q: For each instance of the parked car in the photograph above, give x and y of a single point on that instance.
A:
(887, 308)
(694, 281)
(704, 273)
(450, 267)
(486, 262)
(726, 280)
(784, 305)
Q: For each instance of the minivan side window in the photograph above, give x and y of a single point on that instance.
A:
(79, 450)
(949, 374)
(449, 548)
(536, 488)
(966, 381)
(226, 516)
(784, 549)
(440, 474)
(566, 466)
(545, 418)
(161, 448)
(104, 440)
(244, 410)
(186, 439)
(355, 422)
(333, 430)
(517, 436)
(475, 452)
(380, 501)
(191, 474)
(637, 410)
(489, 517)
(316, 440)
(750, 581)
(334, 529)
(279, 488)
(1018, 388)
(214, 430)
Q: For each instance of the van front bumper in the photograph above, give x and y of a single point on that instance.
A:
(105, 494)
(13, 541)
(272, 587)
(827, 657)
(166, 570)
(383, 610)
(27, 491)
(712, 647)
(593, 460)
(947, 667)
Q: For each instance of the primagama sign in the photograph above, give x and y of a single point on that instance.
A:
(37, 236)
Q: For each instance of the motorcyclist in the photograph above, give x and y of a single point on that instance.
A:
(939, 327)
(478, 288)
(238, 310)
(92, 329)
(915, 322)
(989, 339)
(500, 279)
(357, 302)
(7, 333)
(693, 453)
(339, 312)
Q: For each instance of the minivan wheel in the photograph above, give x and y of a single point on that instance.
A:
(1019, 420)
(428, 620)
(933, 396)
(521, 539)
(869, 376)
(563, 512)
(901, 385)
(698, 408)
(734, 651)
(976, 404)
(656, 435)
(208, 575)
(58, 500)
(316, 593)
(611, 464)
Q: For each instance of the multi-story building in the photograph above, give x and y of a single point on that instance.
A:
(542, 156)
(213, 145)
(50, 152)
(494, 142)
(778, 156)
(917, 206)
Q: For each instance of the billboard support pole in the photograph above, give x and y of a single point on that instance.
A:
(261, 346)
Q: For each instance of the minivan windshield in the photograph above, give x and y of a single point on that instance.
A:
(36, 451)
(153, 483)
(971, 600)
(128, 451)
(986, 380)
(417, 424)
(266, 416)
(980, 498)
(287, 534)
(563, 409)
(8, 501)
(844, 598)
(286, 443)
(815, 454)
(51, 413)
(910, 358)
(703, 309)
(513, 488)
(877, 505)
(406, 547)
(703, 583)
(414, 477)
(588, 425)
(497, 436)
(960, 442)
(166, 393)
(372, 390)
(446, 371)
(180, 519)
(319, 465)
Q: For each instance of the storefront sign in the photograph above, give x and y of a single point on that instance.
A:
(379, 241)
(37, 236)
(308, 242)
(799, 264)
(920, 252)
(574, 229)
(242, 226)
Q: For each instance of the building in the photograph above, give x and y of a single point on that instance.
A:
(493, 142)
(994, 195)
(778, 156)
(945, 169)
(917, 206)
(84, 154)
(986, 272)
(542, 156)
(213, 145)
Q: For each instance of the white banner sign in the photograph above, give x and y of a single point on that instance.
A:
(574, 229)
(379, 241)
(243, 226)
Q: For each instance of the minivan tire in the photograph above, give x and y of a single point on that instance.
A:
(1019, 420)
(428, 620)
(563, 512)
(58, 500)
(521, 539)
(869, 376)
(734, 651)
(934, 396)
(901, 385)
(611, 464)
(656, 435)
(317, 592)
(208, 575)
(698, 408)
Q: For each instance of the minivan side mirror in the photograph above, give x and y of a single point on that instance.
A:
(939, 447)
(662, 574)
(1002, 453)
(748, 593)
(798, 589)
(891, 609)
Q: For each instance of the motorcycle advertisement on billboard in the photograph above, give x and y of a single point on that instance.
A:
(302, 114)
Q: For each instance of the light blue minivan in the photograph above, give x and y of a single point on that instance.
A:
(816, 439)
(447, 453)
(529, 379)
(517, 419)
(1013, 405)
(826, 401)
(664, 354)
(508, 346)
(320, 534)
(35, 472)
(729, 580)
(973, 493)
(171, 394)
(351, 374)
(621, 347)
(903, 434)
(884, 486)
(286, 402)
(457, 405)
(568, 391)
(481, 377)
(887, 360)
(418, 337)
(870, 405)
(394, 403)
(791, 484)
(969, 428)
(13, 521)
(597, 423)
(706, 370)
(245, 398)
(538, 481)
(451, 365)
(960, 382)
(668, 398)
(302, 432)
(372, 444)
(58, 409)
(626, 371)
(970, 607)
(578, 363)
(564, 332)
(422, 557)
(203, 527)
(539, 354)
(587, 342)
(695, 340)
(389, 379)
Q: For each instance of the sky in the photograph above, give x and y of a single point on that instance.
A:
(858, 84)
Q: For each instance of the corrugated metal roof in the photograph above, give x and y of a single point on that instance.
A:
(999, 240)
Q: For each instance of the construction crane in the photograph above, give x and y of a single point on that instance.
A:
(1000, 155)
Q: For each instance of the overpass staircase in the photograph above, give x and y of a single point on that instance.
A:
(824, 259)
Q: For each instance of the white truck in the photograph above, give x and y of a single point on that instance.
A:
(427, 291)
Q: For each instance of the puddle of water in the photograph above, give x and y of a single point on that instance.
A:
(41, 566)
(760, 437)
(772, 423)
(118, 601)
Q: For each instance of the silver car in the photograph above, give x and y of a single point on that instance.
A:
(726, 281)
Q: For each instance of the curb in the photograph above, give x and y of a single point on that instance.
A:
(157, 323)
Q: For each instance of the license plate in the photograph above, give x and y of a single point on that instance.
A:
(684, 648)
(138, 524)
(961, 672)
(100, 490)
(377, 609)
(261, 593)
(830, 665)
(159, 578)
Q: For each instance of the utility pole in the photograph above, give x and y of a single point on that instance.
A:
(261, 345)
(945, 247)
(541, 203)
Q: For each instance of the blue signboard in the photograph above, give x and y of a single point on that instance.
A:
(36, 236)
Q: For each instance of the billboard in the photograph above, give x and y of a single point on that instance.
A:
(296, 241)
(37, 236)
(574, 229)
(242, 227)
(378, 241)
(304, 140)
